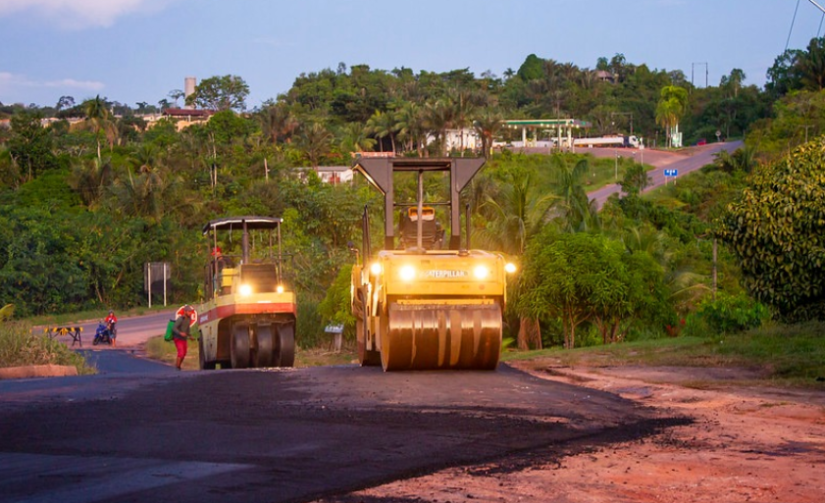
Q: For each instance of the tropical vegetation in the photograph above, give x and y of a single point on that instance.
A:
(92, 191)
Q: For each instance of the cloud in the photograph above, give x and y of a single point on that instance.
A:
(79, 14)
(11, 81)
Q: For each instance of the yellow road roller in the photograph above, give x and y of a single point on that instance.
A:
(248, 318)
(426, 300)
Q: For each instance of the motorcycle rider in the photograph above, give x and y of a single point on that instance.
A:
(110, 322)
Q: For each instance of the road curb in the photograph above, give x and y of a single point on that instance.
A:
(28, 371)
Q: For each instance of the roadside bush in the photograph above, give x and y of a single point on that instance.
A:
(727, 314)
(309, 329)
(18, 346)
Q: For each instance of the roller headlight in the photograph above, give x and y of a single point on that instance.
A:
(481, 272)
(510, 267)
(407, 273)
(279, 288)
(376, 269)
(245, 290)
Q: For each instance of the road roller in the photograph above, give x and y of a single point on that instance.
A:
(248, 317)
(426, 301)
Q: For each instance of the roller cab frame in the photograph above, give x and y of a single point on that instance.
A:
(426, 300)
(248, 317)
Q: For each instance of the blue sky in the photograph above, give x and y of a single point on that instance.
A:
(139, 50)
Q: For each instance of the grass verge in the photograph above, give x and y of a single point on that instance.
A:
(20, 347)
(787, 354)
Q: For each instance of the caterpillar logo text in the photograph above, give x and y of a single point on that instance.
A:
(443, 274)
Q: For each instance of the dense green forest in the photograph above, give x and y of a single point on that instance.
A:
(95, 192)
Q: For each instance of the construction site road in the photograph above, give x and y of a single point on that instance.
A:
(289, 435)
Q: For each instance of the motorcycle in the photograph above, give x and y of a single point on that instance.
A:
(102, 335)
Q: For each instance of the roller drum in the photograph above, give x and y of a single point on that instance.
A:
(441, 336)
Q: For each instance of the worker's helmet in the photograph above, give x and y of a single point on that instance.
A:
(188, 309)
(216, 251)
(111, 312)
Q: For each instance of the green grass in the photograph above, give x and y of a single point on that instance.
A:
(786, 354)
(19, 347)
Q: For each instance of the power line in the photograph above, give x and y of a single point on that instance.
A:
(788, 42)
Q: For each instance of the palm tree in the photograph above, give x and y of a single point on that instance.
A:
(577, 212)
(411, 125)
(438, 116)
(383, 124)
(277, 122)
(353, 137)
(672, 106)
(97, 113)
(487, 124)
(315, 141)
(141, 194)
(89, 179)
(517, 212)
(463, 104)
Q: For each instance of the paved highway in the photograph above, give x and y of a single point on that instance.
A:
(683, 164)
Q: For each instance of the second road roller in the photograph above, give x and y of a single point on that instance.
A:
(426, 300)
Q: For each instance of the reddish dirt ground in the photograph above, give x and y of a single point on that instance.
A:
(747, 442)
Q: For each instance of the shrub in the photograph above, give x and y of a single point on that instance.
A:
(726, 314)
(19, 346)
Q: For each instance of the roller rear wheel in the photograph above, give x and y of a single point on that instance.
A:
(285, 354)
(266, 346)
(239, 346)
(202, 363)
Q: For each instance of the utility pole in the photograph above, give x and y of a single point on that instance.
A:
(806, 126)
(692, 65)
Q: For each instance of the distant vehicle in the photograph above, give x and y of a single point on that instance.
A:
(248, 318)
(609, 141)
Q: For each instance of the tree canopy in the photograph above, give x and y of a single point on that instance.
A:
(777, 231)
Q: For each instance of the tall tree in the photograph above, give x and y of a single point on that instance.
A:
(227, 92)
(487, 124)
(97, 114)
(382, 125)
(411, 126)
(315, 141)
(672, 106)
(812, 65)
(30, 145)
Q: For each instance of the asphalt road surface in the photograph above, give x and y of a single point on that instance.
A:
(286, 435)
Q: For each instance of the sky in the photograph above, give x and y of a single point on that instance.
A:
(134, 51)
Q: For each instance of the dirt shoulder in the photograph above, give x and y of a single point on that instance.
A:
(747, 442)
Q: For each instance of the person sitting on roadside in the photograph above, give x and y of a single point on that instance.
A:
(111, 322)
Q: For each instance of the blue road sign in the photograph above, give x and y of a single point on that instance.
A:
(671, 172)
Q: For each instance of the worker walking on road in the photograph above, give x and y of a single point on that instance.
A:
(180, 332)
